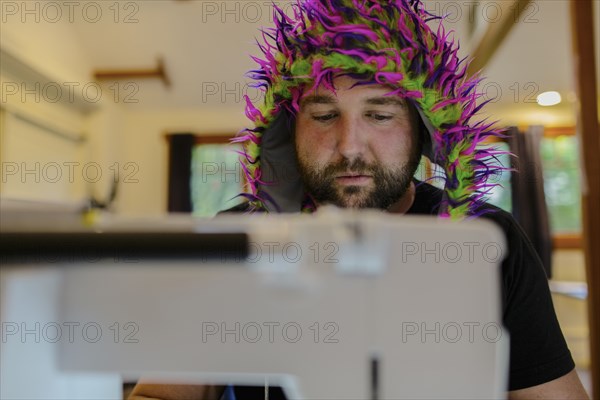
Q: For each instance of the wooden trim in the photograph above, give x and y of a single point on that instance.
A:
(494, 139)
(428, 168)
(549, 132)
(113, 74)
(206, 139)
(213, 139)
(553, 132)
(584, 65)
(567, 242)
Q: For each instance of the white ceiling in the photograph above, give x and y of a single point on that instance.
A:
(206, 47)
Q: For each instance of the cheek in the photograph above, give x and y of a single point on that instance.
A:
(396, 146)
(311, 144)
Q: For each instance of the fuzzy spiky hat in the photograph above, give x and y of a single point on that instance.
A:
(381, 41)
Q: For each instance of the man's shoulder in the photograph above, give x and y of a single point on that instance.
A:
(428, 199)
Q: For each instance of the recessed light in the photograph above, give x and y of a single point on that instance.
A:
(548, 98)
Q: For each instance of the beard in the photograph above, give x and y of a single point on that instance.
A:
(388, 183)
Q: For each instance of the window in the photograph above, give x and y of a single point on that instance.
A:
(216, 179)
(562, 181)
(205, 174)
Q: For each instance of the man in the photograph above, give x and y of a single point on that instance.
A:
(355, 93)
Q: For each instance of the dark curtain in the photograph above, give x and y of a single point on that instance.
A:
(180, 172)
(528, 199)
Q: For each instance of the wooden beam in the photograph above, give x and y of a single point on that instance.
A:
(549, 132)
(557, 131)
(113, 74)
(495, 34)
(567, 242)
(582, 26)
(212, 138)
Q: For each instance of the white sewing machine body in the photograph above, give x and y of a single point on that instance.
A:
(350, 305)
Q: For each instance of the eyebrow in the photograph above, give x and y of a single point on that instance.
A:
(386, 100)
(378, 101)
(318, 99)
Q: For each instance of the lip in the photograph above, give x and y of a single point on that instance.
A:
(353, 179)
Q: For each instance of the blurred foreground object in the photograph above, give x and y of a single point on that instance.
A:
(344, 304)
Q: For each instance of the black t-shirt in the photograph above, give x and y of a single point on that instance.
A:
(538, 351)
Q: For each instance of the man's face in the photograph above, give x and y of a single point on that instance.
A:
(357, 147)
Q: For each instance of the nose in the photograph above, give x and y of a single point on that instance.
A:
(351, 143)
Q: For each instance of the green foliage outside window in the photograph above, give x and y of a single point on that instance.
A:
(562, 183)
(216, 179)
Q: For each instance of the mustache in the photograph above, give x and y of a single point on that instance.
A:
(357, 166)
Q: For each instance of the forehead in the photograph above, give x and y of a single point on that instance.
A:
(346, 89)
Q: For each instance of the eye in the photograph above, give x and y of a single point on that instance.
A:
(324, 117)
(379, 117)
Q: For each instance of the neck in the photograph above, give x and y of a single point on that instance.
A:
(405, 202)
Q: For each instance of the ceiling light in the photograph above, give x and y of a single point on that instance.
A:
(548, 98)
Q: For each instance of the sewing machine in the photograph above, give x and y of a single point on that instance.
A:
(345, 304)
